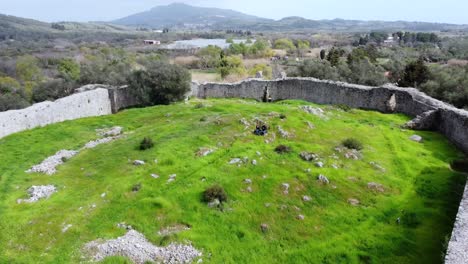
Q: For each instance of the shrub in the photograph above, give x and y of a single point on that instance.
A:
(410, 219)
(352, 143)
(343, 107)
(281, 149)
(282, 116)
(146, 143)
(160, 83)
(52, 90)
(215, 192)
(136, 187)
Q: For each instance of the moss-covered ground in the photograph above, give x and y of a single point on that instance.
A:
(420, 189)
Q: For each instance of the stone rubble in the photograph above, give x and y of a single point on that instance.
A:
(139, 250)
(416, 138)
(138, 162)
(49, 165)
(323, 179)
(38, 192)
(306, 198)
(283, 133)
(307, 156)
(203, 152)
(375, 187)
(312, 110)
(174, 229)
(112, 132)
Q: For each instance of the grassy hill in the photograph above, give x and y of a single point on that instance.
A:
(416, 186)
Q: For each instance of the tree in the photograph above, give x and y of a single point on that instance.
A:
(69, 69)
(230, 65)
(209, 56)
(12, 95)
(415, 74)
(265, 69)
(284, 44)
(52, 90)
(27, 69)
(323, 54)
(334, 56)
(160, 83)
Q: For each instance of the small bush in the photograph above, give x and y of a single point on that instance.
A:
(215, 192)
(199, 105)
(281, 149)
(343, 107)
(352, 143)
(410, 219)
(282, 116)
(136, 187)
(146, 143)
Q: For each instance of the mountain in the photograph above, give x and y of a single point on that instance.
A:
(184, 15)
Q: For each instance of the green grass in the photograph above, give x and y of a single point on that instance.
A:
(419, 186)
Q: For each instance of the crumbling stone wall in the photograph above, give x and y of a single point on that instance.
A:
(429, 113)
(85, 104)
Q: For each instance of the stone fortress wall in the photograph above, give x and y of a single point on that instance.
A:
(428, 113)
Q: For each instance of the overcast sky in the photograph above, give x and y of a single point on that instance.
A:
(447, 11)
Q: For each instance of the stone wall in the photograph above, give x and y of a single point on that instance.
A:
(453, 122)
(428, 113)
(85, 104)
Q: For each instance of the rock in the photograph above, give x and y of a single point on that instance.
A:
(214, 203)
(300, 217)
(244, 122)
(424, 121)
(259, 75)
(258, 153)
(90, 87)
(306, 198)
(307, 156)
(285, 188)
(283, 133)
(37, 193)
(254, 162)
(138, 162)
(49, 165)
(308, 170)
(310, 125)
(174, 229)
(249, 189)
(203, 152)
(155, 176)
(391, 104)
(95, 143)
(352, 154)
(172, 178)
(312, 110)
(335, 166)
(103, 195)
(264, 228)
(284, 75)
(248, 181)
(353, 202)
(319, 164)
(235, 161)
(65, 228)
(123, 225)
(375, 187)
(416, 138)
(323, 179)
(112, 132)
(139, 250)
(377, 166)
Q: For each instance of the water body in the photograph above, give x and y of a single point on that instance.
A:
(201, 43)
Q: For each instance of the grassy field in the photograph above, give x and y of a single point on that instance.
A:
(419, 187)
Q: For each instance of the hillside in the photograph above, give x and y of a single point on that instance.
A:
(185, 16)
(393, 202)
(178, 14)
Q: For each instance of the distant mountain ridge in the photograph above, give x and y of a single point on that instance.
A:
(183, 14)
(179, 15)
